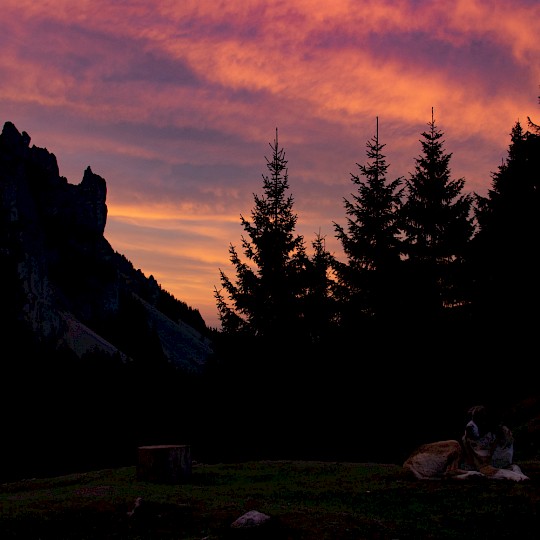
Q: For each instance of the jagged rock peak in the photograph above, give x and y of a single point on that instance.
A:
(93, 183)
(18, 144)
(94, 189)
(14, 140)
(82, 205)
(11, 134)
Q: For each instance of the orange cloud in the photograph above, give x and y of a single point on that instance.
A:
(174, 103)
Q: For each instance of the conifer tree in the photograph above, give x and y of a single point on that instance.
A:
(507, 249)
(438, 225)
(319, 301)
(265, 299)
(367, 280)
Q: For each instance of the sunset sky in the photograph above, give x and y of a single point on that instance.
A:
(175, 103)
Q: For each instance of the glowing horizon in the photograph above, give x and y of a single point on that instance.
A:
(175, 105)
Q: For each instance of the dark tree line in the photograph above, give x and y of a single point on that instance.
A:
(426, 266)
(432, 308)
(505, 251)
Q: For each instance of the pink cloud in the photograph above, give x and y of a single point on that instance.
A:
(174, 103)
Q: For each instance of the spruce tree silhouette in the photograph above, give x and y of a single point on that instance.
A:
(506, 249)
(438, 225)
(262, 313)
(368, 281)
(265, 299)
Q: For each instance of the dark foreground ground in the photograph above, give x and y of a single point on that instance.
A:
(305, 500)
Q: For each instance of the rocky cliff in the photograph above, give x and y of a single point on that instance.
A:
(62, 281)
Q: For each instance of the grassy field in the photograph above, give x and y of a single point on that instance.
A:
(305, 500)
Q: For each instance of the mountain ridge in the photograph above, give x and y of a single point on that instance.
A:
(62, 279)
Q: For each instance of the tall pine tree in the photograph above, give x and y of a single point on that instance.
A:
(507, 246)
(368, 280)
(438, 225)
(266, 298)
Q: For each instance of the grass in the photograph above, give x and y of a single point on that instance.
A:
(305, 499)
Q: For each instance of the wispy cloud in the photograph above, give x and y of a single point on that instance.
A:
(174, 103)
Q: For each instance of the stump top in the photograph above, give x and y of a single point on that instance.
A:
(156, 446)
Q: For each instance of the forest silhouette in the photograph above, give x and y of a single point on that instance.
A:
(426, 265)
(433, 308)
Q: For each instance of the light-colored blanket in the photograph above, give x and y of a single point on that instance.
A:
(487, 456)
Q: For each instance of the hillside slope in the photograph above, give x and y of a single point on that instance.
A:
(62, 280)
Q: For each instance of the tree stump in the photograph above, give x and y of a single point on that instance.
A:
(164, 463)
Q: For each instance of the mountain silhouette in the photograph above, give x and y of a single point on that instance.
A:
(62, 282)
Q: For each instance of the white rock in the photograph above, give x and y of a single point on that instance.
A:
(250, 519)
